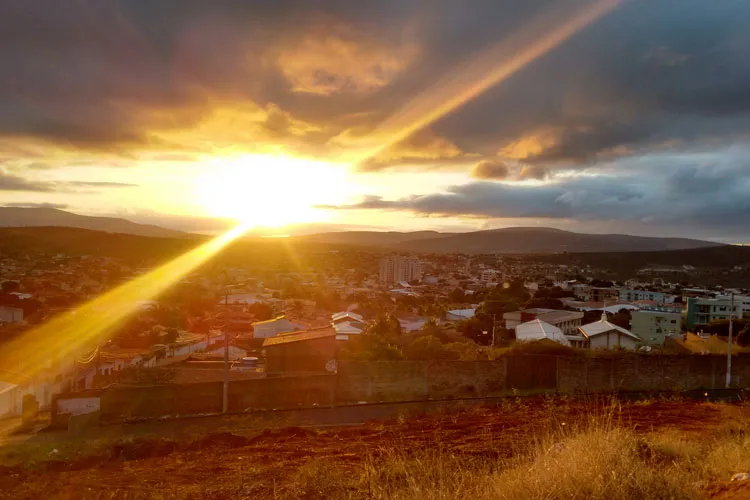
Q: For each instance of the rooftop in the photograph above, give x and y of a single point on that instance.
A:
(288, 338)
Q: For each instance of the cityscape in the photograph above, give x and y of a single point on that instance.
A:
(393, 250)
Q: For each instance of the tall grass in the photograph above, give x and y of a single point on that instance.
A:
(595, 459)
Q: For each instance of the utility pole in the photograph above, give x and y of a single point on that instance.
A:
(729, 343)
(225, 394)
(493, 330)
(225, 389)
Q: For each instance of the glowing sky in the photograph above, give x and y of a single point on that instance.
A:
(593, 115)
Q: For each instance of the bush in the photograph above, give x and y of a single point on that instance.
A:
(367, 347)
(428, 348)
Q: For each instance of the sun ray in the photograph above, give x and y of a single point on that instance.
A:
(490, 67)
(64, 337)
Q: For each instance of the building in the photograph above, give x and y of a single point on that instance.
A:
(702, 311)
(395, 268)
(605, 335)
(602, 294)
(581, 291)
(489, 276)
(272, 327)
(567, 321)
(539, 330)
(303, 351)
(346, 324)
(653, 326)
(460, 314)
(628, 295)
(11, 314)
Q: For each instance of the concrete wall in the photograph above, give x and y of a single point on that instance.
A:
(412, 381)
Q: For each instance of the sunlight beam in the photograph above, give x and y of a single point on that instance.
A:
(490, 67)
(84, 328)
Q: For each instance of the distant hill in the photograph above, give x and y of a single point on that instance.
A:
(36, 217)
(514, 240)
(725, 256)
(369, 238)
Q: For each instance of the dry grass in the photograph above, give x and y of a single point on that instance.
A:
(597, 460)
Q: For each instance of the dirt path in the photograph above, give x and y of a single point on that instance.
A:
(238, 465)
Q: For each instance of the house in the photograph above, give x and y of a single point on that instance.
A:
(459, 314)
(344, 316)
(302, 351)
(654, 325)
(345, 329)
(567, 321)
(11, 314)
(539, 330)
(411, 323)
(272, 327)
(605, 335)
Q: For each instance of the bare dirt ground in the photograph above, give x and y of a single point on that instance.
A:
(252, 464)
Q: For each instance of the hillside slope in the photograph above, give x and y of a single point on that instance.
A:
(523, 240)
(36, 217)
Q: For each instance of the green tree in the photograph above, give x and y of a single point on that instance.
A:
(428, 347)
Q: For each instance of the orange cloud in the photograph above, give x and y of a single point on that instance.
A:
(337, 59)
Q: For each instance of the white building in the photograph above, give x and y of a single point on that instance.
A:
(395, 268)
(11, 314)
(567, 321)
(653, 326)
(605, 335)
(538, 330)
(273, 327)
(629, 295)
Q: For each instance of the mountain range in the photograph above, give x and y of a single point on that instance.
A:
(53, 217)
(513, 240)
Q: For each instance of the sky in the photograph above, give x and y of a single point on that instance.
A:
(619, 116)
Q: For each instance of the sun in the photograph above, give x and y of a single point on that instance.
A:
(269, 190)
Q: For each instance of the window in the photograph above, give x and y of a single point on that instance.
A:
(673, 321)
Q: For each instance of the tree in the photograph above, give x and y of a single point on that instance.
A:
(10, 286)
(457, 296)
(370, 348)
(385, 326)
(171, 335)
(428, 347)
(544, 303)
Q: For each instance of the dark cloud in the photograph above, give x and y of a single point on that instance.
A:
(700, 194)
(490, 169)
(10, 182)
(37, 205)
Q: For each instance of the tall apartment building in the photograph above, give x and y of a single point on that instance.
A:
(701, 311)
(653, 326)
(395, 268)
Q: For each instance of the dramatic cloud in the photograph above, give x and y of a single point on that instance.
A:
(574, 109)
(491, 169)
(709, 194)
